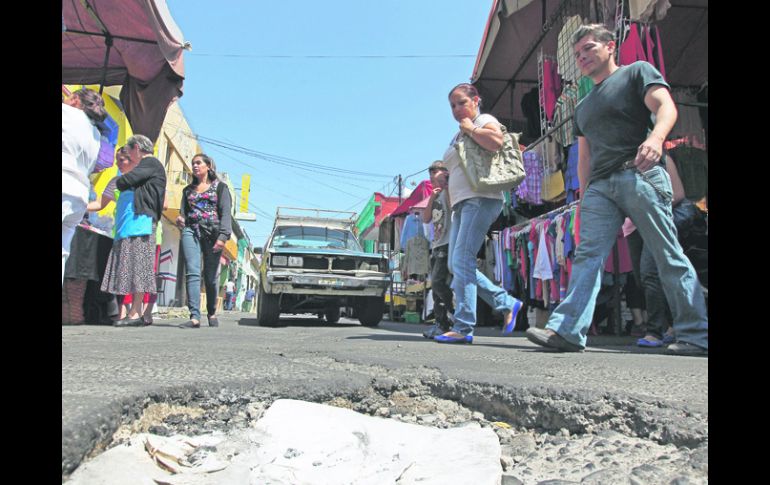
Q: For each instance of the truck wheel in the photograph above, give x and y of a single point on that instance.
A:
(333, 314)
(370, 310)
(268, 309)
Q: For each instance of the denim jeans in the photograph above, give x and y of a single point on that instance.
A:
(442, 293)
(193, 248)
(228, 300)
(471, 220)
(646, 199)
(658, 312)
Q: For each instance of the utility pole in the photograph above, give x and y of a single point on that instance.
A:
(390, 253)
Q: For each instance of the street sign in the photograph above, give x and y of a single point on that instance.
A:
(245, 187)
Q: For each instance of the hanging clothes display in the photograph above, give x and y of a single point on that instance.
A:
(551, 87)
(412, 227)
(585, 85)
(529, 190)
(571, 181)
(632, 49)
(417, 258)
(653, 48)
(565, 108)
(648, 10)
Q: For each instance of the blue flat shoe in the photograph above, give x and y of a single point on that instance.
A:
(508, 328)
(445, 339)
(643, 342)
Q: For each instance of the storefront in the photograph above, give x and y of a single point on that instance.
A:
(527, 76)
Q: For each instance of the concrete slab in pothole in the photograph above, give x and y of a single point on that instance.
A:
(300, 442)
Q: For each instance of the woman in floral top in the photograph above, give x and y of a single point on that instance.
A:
(205, 222)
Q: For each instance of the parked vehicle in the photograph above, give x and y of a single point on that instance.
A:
(313, 263)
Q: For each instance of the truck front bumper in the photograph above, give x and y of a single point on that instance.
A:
(326, 284)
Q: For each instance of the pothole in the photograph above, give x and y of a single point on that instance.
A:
(532, 450)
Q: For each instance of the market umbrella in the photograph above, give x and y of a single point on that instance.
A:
(133, 43)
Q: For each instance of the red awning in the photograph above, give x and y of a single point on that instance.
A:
(420, 192)
(143, 47)
(386, 208)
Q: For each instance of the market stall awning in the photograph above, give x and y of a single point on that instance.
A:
(378, 208)
(420, 192)
(133, 43)
(507, 59)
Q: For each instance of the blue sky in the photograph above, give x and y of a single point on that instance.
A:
(379, 116)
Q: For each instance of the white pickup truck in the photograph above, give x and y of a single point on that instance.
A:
(313, 263)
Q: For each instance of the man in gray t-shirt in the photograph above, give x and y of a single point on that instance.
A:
(438, 211)
(621, 173)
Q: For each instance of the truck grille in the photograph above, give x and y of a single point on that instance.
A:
(315, 263)
(344, 264)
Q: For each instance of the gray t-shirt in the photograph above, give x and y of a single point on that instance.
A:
(614, 118)
(441, 217)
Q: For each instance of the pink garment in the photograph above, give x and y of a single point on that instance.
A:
(654, 50)
(551, 87)
(624, 256)
(631, 50)
(628, 227)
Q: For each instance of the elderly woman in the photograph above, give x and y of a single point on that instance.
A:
(206, 226)
(472, 215)
(131, 261)
(81, 117)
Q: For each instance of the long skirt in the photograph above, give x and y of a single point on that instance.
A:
(130, 266)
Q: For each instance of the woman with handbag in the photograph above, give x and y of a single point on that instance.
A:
(206, 226)
(473, 212)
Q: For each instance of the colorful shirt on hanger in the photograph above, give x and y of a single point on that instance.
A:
(530, 189)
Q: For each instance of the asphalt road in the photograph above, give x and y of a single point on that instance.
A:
(109, 372)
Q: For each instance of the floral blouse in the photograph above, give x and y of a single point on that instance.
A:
(203, 216)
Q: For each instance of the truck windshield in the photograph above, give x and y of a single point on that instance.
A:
(314, 237)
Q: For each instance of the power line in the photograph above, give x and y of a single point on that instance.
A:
(278, 159)
(266, 188)
(404, 56)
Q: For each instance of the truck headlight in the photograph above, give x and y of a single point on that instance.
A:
(280, 261)
(295, 261)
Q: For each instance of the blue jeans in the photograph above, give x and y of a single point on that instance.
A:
(658, 313)
(471, 220)
(603, 208)
(228, 300)
(193, 247)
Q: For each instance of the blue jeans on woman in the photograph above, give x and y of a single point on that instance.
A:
(193, 247)
(471, 220)
(646, 199)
